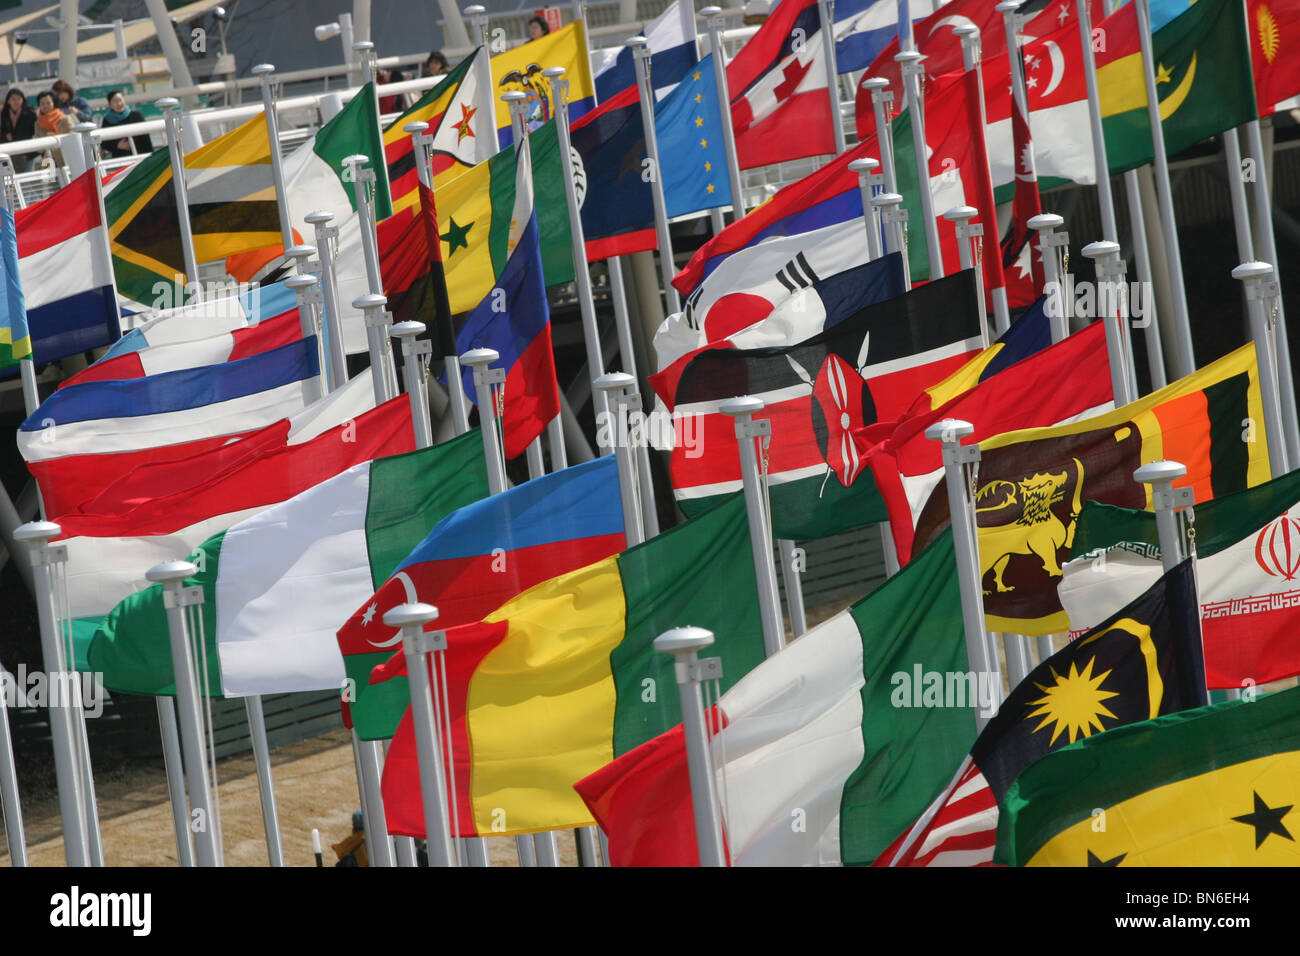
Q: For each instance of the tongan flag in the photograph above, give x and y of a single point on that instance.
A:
(671, 38)
(66, 272)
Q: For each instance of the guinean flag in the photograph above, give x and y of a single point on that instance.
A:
(826, 753)
(1215, 786)
(1139, 663)
(472, 562)
(868, 368)
(1032, 483)
(564, 677)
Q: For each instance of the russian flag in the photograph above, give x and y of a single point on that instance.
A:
(515, 320)
(67, 273)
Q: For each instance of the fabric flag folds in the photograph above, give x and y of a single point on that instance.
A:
(671, 43)
(15, 340)
(520, 70)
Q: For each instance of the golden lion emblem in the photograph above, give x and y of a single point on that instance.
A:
(1023, 521)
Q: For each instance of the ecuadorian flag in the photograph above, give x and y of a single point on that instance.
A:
(520, 70)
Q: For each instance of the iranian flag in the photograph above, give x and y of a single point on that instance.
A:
(1247, 570)
(277, 586)
(823, 754)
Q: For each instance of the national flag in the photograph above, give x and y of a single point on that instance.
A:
(794, 305)
(1022, 262)
(824, 750)
(865, 27)
(231, 193)
(670, 37)
(564, 677)
(15, 341)
(780, 107)
(472, 562)
(1248, 556)
(69, 311)
(1215, 786)
(144, 233)
(934, 38)
(1139, 663)
(277, 584)
(1274, 26)
(1203, 79)
(520, 70)
(1032, 483)
(692, 160)
(868, 368)
(410, 259)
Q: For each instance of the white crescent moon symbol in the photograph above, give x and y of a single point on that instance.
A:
(1058, 67)
(411, 598)
(956, 20)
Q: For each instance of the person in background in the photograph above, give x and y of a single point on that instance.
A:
(537, 28)
(396, 103)
(119, 115)
(435, 65)
(17, 122)
(48, 113)
(66, 99)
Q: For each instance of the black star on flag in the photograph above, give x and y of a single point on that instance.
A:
(1266, 820)
(1094, 860)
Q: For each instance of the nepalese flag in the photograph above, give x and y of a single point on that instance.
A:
(870, 367)
(15, 342)
(671, 39)
(70, 309)
(865, 27)
(780, 107)
(476, 559)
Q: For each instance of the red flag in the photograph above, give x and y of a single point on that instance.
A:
(1022, 262)
(1274, 27)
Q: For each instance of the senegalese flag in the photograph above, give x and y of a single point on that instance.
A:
(451, 110)
(475, 211)
(563, 678)
(1032, 484)
(1215, 786)
(1203, 79)
(15, 340)
(520, 70)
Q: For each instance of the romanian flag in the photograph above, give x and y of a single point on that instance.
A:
(520, 70)
(476, 559)
(564, 678)
(1215, 786)
(1032, 483)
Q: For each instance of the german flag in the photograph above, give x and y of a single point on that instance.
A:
(451, 110)
(1215, 786)
(1032, 484)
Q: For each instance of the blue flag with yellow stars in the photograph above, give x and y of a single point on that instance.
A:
(689, 130)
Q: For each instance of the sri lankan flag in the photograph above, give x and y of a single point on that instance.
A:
(461, 137)
(1203, 79)
(1031, 484)
(1215, 786)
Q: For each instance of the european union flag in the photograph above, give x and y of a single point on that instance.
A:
(691, 153)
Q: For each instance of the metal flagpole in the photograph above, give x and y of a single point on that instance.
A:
(176, 598)
(172, 766)
(417, 643)
(379, 845)
(684, 644)
(414, 349)
(866, 170)
(403, 847)
(957, 459)
(882, 99)
(1263, 202)
(15, 838)
(910, 65)
(617, 387)
(1142, 260)
(307, 293)
(713, 23)
(170, 107)
(264, 71)
(641, 59)
(742, 409)
(791, 558)
(1184, 357)
(265, 783)
(332, 317)
(893, 225)
(362, 180)
(826, 11)
(1110, 303)
(1261, 289)
(960, 217)
(1105, 200)
(1049, 241)
(377, 323)
(63, 714)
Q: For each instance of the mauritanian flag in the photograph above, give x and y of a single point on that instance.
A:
(1215, 786)
(563, 678)
(1203, 80)
(277, 585)
(1247, 571)
(1032, 483)
(825, 750)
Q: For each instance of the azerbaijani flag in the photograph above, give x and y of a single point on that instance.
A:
(563, 678)
(472, 562)
(277, 584)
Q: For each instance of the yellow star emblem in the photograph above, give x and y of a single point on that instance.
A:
(710, 187)
(708, 167)
(704, 144)
(699, 121)
(699, 98)
(696, 76)
(1163, 74)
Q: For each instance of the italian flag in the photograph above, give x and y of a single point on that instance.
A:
(278, 585)
(826, 749)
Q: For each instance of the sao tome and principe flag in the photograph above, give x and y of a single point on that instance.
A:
(563, 678)
(1139, 663)
(472, 562)
(1248, 563)
(277, 584)
(1215, 786)
(822, 755)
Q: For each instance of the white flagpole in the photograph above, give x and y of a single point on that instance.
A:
(826, 12)
(1110, 295)
(971, 55)
(910, 64)
(265, 782)
(264, 71)
(617, 386)
(967, 231)
(15, 838)
(882, 98)
(413, 368)
(170, 107)
(1049, 241)
(1261, 291)
(326, 237)
(868, 179)
(713, 23)
(893, 222)
(378, 321)
(1105, 199)
(641, 58)
(478, 18)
